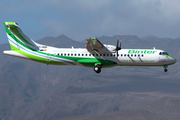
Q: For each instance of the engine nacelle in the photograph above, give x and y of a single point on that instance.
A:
(110, 48)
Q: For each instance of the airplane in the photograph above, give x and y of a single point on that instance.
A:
(96, 55)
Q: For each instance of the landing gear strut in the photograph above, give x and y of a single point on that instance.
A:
(165, 68)
(97, 68)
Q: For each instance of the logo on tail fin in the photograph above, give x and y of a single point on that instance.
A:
(17, 38)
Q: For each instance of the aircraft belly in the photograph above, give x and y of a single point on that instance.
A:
(139, 64)
(90, 62)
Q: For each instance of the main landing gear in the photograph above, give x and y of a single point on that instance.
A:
(165, 68)
(97, 68)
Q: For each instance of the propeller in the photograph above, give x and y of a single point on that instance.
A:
(118, 47)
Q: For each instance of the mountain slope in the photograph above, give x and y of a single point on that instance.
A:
(31, 90)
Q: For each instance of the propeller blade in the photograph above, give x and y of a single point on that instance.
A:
(117, 47)
(117, 53)
(120, 45)
(117, 43)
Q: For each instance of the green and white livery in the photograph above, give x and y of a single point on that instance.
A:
(95, 55)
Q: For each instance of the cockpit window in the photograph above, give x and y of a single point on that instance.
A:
(163, 53)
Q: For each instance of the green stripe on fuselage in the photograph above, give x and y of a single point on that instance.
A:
(91, 62)
(169, 56)
(37, 58)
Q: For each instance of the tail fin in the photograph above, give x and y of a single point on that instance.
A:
(17, 39)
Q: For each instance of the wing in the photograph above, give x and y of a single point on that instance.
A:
(93, 44)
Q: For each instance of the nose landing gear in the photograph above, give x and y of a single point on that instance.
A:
(165, 68)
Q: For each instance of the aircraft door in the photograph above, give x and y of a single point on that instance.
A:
(162, 58)
(48, 57)
(18, 45)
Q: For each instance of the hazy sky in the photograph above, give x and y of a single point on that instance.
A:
(81, 19)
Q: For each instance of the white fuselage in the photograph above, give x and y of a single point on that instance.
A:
(126, 57)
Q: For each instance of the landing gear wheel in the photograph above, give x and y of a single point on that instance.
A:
(97, 68)
(165, 70)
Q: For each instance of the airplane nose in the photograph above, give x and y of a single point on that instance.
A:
(173, 60)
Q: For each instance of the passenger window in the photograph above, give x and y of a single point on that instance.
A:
(104, 55)
(93, 54)
(96, 54)
(82, 54)
(71, 54)
(86, 54)
(139, 55)
(135, 55)
(74, 54)
(65, 54)
(121, 55)
(124, 55)
(68, 54)
(131, 55)
(128, 55)
(142, 55)
(107, 54)
(61, 54)
(78, 54)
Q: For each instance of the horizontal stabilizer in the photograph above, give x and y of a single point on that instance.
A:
(15, 54)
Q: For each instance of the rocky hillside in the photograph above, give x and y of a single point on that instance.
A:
(36, 91)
